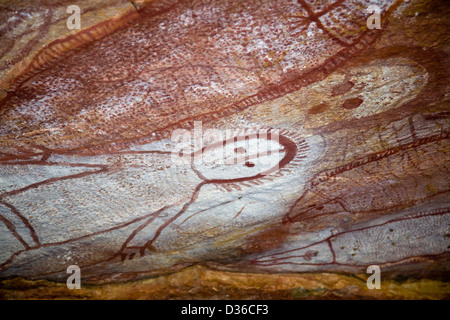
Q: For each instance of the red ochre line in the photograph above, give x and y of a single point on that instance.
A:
(315, 216)
(212, 228)
(213, 207)
(133, 234)
(54, 49)
(331, 250)
(329, 8)
(169, 221)
(291, 151)
(10, 260)
(43, 161)
(376, 157)
(315, 18)
(435, 212)
(273, 92)
(62, 164)
(24, 221)
(326, 175)
(40, 35)
(151, 271)
(254, 262)
(269, 93)
(388, 263)
(235, 106)
(421, 141)
(12, 229)
(4, 265)
(50, 181)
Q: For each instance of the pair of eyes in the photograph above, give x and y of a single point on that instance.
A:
(239, 150)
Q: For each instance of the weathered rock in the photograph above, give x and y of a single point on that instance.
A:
(338, 136)
(201, 283)
(35, 32)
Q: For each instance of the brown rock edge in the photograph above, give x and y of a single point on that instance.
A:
(199, 282)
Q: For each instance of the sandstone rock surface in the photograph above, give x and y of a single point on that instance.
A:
(284, 139)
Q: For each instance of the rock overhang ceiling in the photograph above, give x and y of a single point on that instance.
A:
(349, 126)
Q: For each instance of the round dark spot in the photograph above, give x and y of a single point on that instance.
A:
(319, 108)
(249, 164)
(352, 103)
(391, 230)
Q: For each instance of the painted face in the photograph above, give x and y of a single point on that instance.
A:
(243, 157)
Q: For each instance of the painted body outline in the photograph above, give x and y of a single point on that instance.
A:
(294, 152)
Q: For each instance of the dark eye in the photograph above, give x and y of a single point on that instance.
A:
(249, 164)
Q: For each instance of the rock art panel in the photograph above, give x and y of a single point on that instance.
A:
(256, 136)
